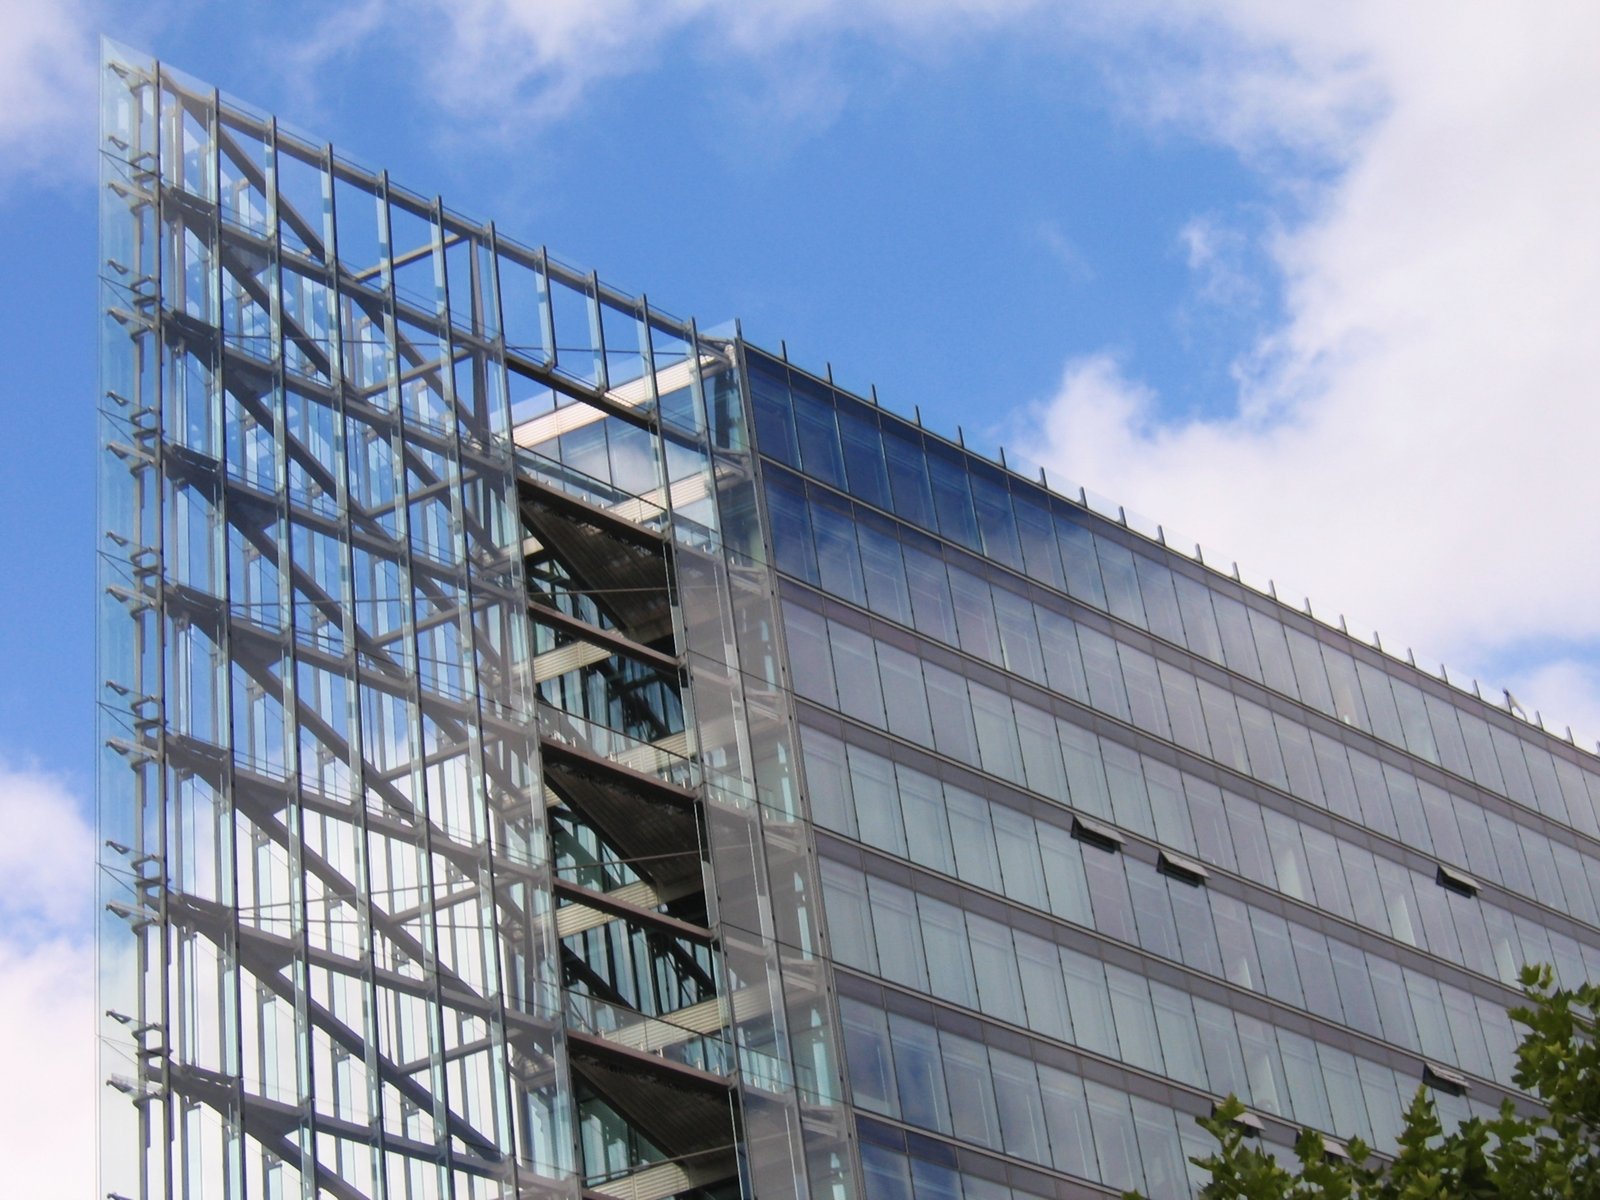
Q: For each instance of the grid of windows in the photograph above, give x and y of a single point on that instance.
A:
(927, 483)
(1087, 789)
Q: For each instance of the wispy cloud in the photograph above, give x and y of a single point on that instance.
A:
(513, 65)
(47, 92)
(1065, 251)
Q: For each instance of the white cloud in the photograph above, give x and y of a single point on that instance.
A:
(47, 857)
(47, 89)
(533, 60)
(1415, 443)
(47, 1019)
(47, 985)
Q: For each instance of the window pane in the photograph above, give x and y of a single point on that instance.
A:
(810, 663)
(827, 784)
(888, 594)
(1311, 677)
(1136, 1022)
(1016, 1089)
(952, 497)
(1019, 639)
(769, 393)
(966, 1070)
(1089, 1003)
(898, 933)
(856, 666)
(1114, 1138)
(1199, 622)
(818, 435)
(996, 728)
(1104, 672)
(1039, 551)
(1042, 988)
(1064, 875)
(1238, 643)
(849, 921)
(863, 455)
(1018, 843)
(866, 1045)
(1180, 1038)
(838, 561)
(919, 1073)
(944, 935)
(974, 609)
(1041, 753)
(1219, 1040)
(903, 684)
(1086, 777)
(1145, 701)
(876, 800)
(1160, 602)
(1182, 698)
(1130, 807)
(908, 475)
(927, 830)
(1276, 670)
(995, 521)
(995, 962)
(1063, 663)
(1122, 584)
(976, 861)
(1079, 560)
(1067, 1118)
(791, 528)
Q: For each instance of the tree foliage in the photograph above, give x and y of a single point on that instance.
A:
(1548, 1155)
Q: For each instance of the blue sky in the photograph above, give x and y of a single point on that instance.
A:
(1319, 289)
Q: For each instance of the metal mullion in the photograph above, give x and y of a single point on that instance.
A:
(158, 546)
(356, 741)
(354, 748)
(235, 1177)
(488, 939)
(597, 334)
(423, 846)
(547, 307)
(294, 809)
(523, 692)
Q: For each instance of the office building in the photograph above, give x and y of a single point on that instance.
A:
(550, 749)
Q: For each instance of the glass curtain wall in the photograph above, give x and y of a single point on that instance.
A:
(452, 839)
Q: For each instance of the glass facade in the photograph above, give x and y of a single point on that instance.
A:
(548, 750)
(1106, 835)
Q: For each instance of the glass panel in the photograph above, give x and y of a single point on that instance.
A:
(992, 500)
(863, 455)
(1016, 1088)
(866, 1045)
(820, 455)
(920, 1073)
(952, 496)
(995, 961)
(1121, 582)
(1066, 1111)
(898, 933)
(927, 831)
(838, 561)
(876, 802)
(966, 1070)
(944, 935)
